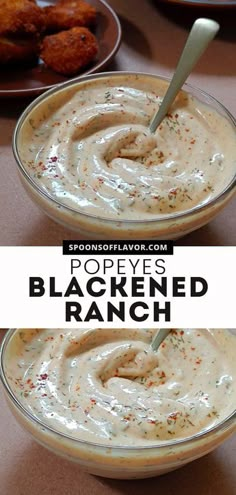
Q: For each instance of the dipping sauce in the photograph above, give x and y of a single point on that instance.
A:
(90, 148)
(109, 387)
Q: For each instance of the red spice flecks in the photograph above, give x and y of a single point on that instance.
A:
(173, 416)
(128, 417)
(53, 159)
(44, 376)
(42, 166)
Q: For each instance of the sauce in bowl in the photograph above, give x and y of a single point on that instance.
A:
(87, 158)
(91, 149)
(109, 387)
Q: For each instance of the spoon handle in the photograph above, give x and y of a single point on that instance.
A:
(158, 338)
(202, 32)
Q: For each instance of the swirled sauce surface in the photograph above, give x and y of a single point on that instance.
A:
(109, 387)
(91, 148)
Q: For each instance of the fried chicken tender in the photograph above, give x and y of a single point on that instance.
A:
(6, 2)
(21, 17)
(13, 51)
(67, 14)
(69, 51)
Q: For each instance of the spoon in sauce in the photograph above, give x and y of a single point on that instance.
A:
(202, 32)
(158, 338)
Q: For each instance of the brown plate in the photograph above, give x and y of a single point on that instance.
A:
(32, 80)
(204, 3)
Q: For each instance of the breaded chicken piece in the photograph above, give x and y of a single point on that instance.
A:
(21, 17)
(13, 51)
(68, 14)
(69, 51)
(6, 2)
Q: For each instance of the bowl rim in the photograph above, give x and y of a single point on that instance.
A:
(205, 433)
(58, 204)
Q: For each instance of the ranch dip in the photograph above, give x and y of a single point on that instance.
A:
(107, 385)
(90, 148)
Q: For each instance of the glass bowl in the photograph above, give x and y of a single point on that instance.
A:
(115, 462)
(164, 226)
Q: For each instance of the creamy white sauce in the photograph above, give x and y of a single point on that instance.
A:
(92, 150)
(109, 387)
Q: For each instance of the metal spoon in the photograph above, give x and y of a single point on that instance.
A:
(158, 338)
(202, 32)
